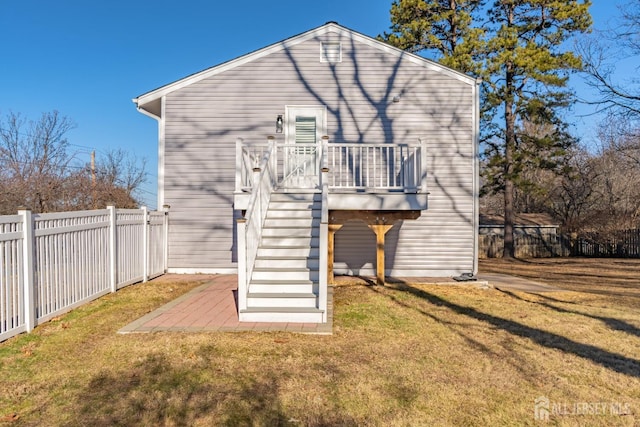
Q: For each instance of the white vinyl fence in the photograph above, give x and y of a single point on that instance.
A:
(51, 263)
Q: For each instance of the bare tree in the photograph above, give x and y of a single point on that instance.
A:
(602, 52)
(39, 172)
(34, 160)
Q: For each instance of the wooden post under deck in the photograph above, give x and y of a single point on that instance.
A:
(380, 222)
(331, 243)
(380, 230)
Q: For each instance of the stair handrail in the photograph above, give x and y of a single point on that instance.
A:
(324, 230)
(250, 227)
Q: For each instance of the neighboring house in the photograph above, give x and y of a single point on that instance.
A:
(400, 151)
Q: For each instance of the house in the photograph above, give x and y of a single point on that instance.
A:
(328, 152)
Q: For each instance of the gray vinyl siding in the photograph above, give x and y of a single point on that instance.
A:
(203, 120)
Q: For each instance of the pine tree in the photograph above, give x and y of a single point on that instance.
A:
(519, 49)
(441, 26)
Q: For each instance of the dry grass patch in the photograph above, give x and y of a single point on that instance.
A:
(608, 280)
(401, 355)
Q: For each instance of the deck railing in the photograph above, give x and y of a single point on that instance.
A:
(352, 167)
(372, 167)
(53, 262)
(250, 227)
(298, 165)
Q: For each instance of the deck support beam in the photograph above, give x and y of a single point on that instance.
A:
(381, 231)
(380, 222)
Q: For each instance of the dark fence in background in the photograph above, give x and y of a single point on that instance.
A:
(624, 244)
(545, 242)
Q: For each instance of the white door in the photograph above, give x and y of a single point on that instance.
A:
(305, 126)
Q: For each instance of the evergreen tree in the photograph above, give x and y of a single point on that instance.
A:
(519, 49)
(443, 27)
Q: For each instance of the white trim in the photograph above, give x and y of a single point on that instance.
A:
(202, 270)
(161, 147)
(146, 113)
(288, 43)
(476, 170)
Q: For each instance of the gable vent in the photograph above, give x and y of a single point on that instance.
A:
(330, 52)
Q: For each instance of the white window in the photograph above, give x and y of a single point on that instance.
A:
(306, 130)
(330, 52)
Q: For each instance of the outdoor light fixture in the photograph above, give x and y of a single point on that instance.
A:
(396, 98)
(279, 124)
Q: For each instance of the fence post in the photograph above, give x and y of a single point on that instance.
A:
(165, 238)
(145, 244)
(28, 255)
(241, 224)
(113, 248)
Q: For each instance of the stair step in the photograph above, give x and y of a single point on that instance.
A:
(299, 241)
(282, 299)
(281, 262)
(290, 205)
(285, 231)
(281, 314)
(296, 197)
(292, 222)
(284, 274)
(282, 286)
(283, 251)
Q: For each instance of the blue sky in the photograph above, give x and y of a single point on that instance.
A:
(88, 59)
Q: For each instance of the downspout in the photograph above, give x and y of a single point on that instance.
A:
(476, 171)
(161, 137)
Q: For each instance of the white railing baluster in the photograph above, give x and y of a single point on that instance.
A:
(376, 167)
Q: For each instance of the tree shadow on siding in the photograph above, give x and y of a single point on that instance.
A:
(361, 108)
(356, 253)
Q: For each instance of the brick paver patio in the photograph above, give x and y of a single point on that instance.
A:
(212, 307)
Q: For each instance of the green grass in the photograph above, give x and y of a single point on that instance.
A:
(400, 355)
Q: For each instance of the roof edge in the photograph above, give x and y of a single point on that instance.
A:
(155, 94)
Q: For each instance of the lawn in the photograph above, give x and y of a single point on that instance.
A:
(401, 355)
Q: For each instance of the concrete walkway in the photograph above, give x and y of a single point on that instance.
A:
(512, 283)
(212, 307)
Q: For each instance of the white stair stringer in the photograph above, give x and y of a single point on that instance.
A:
(284, 284)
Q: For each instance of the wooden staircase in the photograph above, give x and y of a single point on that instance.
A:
(284, 285)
